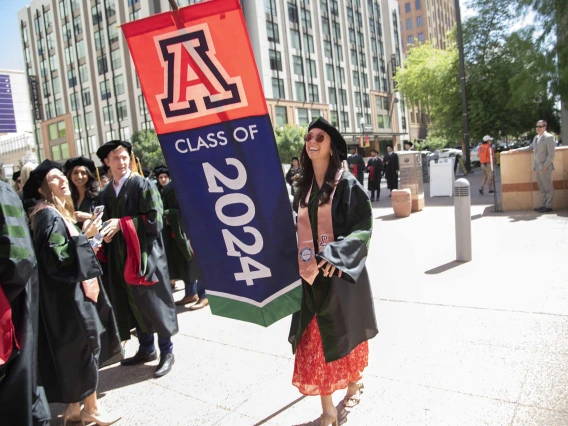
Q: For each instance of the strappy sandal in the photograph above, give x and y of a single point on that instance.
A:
(326, 419)
(351, 401)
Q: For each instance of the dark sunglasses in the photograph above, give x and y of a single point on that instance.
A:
(538, 127)
(309, 136)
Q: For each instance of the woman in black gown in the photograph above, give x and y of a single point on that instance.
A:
(77, 330)
(84, 187)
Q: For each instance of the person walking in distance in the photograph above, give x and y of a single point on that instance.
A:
(544, 149)
(486, 156)
(356, 164)
(391, 169)
(375, 168)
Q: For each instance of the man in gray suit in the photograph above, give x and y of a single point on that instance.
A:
(543, 147)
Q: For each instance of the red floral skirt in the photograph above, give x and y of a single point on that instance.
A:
(314, 376)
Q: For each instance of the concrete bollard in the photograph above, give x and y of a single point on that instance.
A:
(462, 205)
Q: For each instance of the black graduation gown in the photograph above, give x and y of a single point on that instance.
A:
(360, 163)
(378, 168)
(87, 205)
(22, 401)
(153, 305)
(76, 335)
(180, 258)
(291, 173)
(343, 306)
(391, 169)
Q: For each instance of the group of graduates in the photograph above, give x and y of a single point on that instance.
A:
(83, 266)
(376, 167)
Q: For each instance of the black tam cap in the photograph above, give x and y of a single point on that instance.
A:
(409, 143)
(80, 161)
(336, 138)
(37, 177)
(158, 170)
(105, 150)
(146, 172)
(16, 175)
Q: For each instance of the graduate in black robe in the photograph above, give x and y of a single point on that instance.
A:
(142, 296)
(77, 330)
(162, 176)
(84, 186)
(356, 165)
(391, 169)
(375, 169)
(22, 401)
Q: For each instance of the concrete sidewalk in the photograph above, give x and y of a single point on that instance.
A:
(480, 343)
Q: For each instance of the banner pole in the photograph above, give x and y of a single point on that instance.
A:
(173, 4)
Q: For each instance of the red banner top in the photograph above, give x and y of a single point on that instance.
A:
(196, 66)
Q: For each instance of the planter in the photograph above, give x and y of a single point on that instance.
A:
(401, 202)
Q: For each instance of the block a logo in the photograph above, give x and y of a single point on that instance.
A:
(195, 82)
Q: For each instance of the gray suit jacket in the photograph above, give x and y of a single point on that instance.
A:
(543, 151)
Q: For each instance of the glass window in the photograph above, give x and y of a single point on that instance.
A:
(270, 7)
(59, 107)
(306, 18)
(55, 153)
(62, 9)
(96, 14)
(80, 49)
(64, 151)
(48, 113)
(331, 95)
(61, 129)
(53, 62)
(125, 133)
(298, 66)
(115, 59)
(89, 118)
(300, 91)
(53, 135)
(102, 64)
(343, 96)
(345, 119)
(358, 99)
(325, 26)
(292, 13)
(56, 85)
(99, 40)
(418, 5)
(311, 67)
(355, 78)
(303, 118)
(272, 32)
(316, 113)
(112, 34)
(333, 118)
(275, 60)
(83, 73)
(122, 112)
(327, 49)
(93, 145)
(421, 37)
(108, 115)
(295, 36)
(105, 90)
(142, 107)
(364, 80)
(329, 72)
(86, 97)
(338, 52)
(111, 135)
(313, 92)
(74, 5)
(68, 55)
(407, 7)
(71, 78)
(281, 116)
(409, 24)
(77, 27)
(110, 8)
(46, 92)
(419, 21)
(309, 43)
(410, 39)
(278, 88)
(119, 85)
(77, 124)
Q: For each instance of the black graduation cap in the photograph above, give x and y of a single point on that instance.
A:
(80, 161)
(36, 178)
(104, 150)
(333, 133)
(103, 170)
(158, 170)
(147, 172)
(409, 143)
(16, 175)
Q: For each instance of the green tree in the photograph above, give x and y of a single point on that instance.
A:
(290, 141)
(147, 148)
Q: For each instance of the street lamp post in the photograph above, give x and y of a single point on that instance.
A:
(362, 121)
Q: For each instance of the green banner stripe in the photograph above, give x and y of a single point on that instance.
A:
(12, 211)
(274, 311)
(13, 252)
(14, 231)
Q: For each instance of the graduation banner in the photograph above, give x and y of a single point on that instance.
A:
(199, 79)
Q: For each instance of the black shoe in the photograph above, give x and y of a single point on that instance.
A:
(481, 191)
(538, 209)
(140, 358)
(492, 192)
(545, 210)
(372, 200)
(165, 365)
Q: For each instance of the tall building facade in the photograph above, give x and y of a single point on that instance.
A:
(424, 20)
(315, 57)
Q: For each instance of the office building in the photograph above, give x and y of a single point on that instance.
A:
(318, 57)
(424, 20)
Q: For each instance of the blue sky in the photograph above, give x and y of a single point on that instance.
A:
(12, 57)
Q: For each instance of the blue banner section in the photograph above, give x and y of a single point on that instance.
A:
(229, 183)
(7, 115)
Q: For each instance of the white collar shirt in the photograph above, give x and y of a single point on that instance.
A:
(118, 187)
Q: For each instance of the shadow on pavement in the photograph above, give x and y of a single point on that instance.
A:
(443, 268)
(342, 415)
(263, 421)
(389, 217)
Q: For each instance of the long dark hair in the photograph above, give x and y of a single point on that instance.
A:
(91, 189)
(306, 179)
